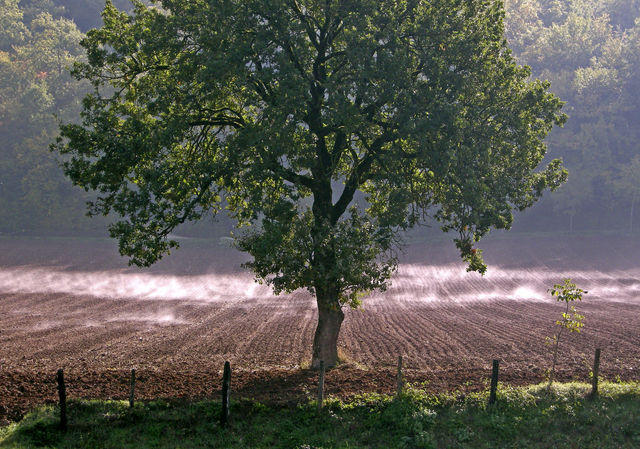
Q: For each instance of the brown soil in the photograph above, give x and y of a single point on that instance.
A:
(62, 306)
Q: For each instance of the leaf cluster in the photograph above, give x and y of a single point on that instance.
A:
(567, 292)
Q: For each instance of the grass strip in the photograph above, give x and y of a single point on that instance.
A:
(524, 417)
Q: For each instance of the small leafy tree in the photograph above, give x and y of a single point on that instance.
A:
(571, 320)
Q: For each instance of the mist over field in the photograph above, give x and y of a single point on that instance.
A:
(520, 268)
(427, 282)
(75, 302)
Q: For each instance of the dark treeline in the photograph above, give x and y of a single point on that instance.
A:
(588, 49)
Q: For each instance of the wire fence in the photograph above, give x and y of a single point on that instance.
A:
(320, 396)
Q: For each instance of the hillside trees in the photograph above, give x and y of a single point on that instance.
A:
(588, 50)
(628, 186)
(12, 30)
(84, 13)
(282, 110)
(34, 87)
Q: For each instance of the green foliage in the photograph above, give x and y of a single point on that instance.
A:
(627, 185)
(35, 87)
(12, 30)
(281, 111)
(567, 292)
(416, 420)
(589, 51)
(571, 320)
(84, 13)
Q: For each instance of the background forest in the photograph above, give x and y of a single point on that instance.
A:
(588, 49)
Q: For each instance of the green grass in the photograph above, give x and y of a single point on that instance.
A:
(527, 417)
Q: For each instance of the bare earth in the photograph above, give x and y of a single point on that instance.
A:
(74, 304)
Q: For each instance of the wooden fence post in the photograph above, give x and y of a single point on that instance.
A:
(494, 382)
(226, 386)
(321, 386)
(399, 380)
(596, 370)
(132, 390)
(62, 394)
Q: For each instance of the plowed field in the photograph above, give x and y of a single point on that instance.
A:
(74, 304)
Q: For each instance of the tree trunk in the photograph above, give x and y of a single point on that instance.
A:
(633, 203)
(325, 342)
(552, 373)
(571, 224)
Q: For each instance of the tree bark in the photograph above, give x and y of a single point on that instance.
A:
(571, 224)
(325, 342)
(633, 203)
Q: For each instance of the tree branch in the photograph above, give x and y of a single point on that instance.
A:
(219, 118)
(303, 18)
(188, 209)
(359, 175)
(291, 176)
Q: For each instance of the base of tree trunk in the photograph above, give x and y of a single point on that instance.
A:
(325, 342)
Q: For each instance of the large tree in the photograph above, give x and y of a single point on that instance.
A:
(281, 111)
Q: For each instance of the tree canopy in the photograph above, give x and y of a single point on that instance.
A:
(587, 49)
(281, 110)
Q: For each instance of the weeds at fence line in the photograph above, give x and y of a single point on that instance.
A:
(320, 398)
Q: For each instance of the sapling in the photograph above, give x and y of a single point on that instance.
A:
(571, 320)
